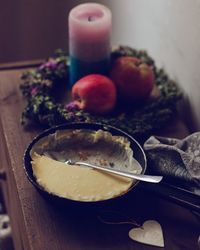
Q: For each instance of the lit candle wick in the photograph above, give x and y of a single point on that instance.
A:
(90, 18)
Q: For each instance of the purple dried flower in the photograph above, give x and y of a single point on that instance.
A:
(34, 91)
(42, 66)
(50, 64)
(71, 106)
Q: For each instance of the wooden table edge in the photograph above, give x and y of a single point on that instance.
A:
(20, 64)
(10, 175)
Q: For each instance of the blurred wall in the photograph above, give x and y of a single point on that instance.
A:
(33, 29)
(169, 30)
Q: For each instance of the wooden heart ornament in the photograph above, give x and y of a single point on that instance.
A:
(150, 233)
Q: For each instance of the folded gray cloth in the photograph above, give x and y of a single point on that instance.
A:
(177, 160)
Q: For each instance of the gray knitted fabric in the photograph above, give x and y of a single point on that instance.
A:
(177, 160)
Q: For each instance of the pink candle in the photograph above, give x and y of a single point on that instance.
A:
(89, 40)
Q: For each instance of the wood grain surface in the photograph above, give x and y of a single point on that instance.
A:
(20, 64)
(39, 224)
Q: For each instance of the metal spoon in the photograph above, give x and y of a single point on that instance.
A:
(141, 177)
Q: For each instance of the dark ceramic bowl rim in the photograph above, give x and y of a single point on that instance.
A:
(81, 125)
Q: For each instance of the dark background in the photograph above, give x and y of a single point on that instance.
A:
(33, 29)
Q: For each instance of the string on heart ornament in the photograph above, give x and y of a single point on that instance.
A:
(116, 218)
(150, 232)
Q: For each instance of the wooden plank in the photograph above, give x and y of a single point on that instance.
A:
(20, 65)
(13, 203)
(3, 182)
(43, 225)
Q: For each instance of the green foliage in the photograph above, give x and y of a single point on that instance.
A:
(39, 85)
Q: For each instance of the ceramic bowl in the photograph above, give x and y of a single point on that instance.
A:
(138, 152)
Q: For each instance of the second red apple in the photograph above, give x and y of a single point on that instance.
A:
(134, 79)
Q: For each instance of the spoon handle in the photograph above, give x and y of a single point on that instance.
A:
(141, 177)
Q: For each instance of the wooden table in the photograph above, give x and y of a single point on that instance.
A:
(40, 225)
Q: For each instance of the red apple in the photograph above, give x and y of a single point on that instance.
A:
(134, 79)
(95, 94)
